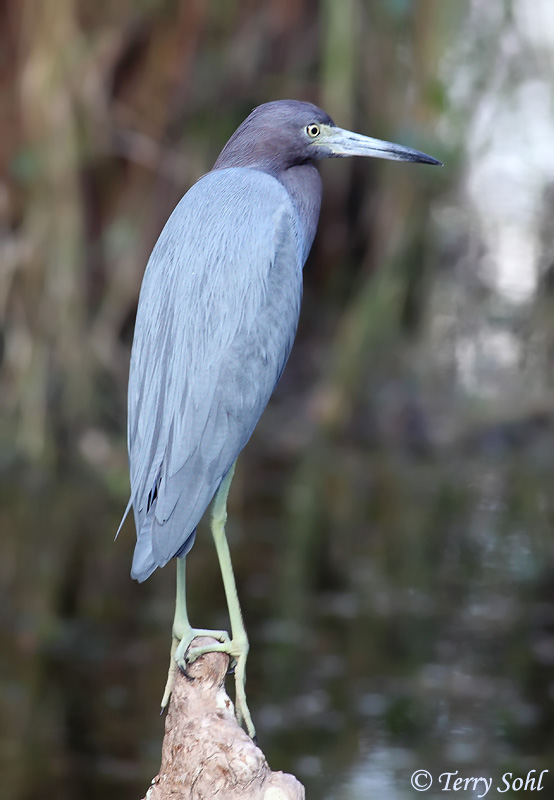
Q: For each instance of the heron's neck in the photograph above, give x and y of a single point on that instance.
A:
(303, 184)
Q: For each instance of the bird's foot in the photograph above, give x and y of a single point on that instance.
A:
(237, 648)
(180, 644)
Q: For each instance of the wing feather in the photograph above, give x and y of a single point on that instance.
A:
(215, 324)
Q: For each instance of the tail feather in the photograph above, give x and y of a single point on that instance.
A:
(124, 517)
(144, 562)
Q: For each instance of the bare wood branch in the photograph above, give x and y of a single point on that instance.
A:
(205, 753)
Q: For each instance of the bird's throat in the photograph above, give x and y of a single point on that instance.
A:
(303, 183)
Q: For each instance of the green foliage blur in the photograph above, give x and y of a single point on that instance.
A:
(391, 519)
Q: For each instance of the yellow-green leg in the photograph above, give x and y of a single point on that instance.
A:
(183, 633)
(237, 646)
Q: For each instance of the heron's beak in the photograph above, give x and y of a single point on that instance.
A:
(345, 143)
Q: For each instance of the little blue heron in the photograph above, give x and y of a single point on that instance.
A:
(216, 320)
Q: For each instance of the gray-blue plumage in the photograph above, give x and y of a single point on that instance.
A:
(219, 308)
(218, 312)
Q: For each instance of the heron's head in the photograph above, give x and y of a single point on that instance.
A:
(284, 133)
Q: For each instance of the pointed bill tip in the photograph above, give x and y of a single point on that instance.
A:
(423, 158)
(340, 143)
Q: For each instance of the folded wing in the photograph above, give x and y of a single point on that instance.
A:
(217, 316)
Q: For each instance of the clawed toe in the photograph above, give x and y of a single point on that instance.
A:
(182, 655)
(182, 667)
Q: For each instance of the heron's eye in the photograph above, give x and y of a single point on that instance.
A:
(312, 130)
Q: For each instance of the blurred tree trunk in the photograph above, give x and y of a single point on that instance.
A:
(51, 61)
(390, 287)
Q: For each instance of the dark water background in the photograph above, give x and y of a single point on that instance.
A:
(391, 521)
(416, 629)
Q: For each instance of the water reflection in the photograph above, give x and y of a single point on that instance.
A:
(418, 632)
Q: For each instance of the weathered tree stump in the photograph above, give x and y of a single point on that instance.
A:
(205, 752)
